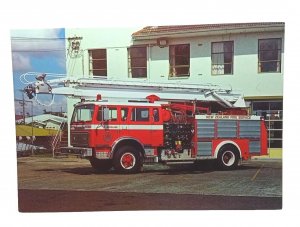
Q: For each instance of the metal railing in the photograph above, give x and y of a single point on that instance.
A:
(57, 137)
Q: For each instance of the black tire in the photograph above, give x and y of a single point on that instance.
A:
(101, 165)
(228, 158)
(128, 160)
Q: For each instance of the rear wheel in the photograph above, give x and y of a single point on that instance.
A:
(101, 165)
(128, 160)
(228, 158)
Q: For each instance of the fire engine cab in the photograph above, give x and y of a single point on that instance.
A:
(131, 123)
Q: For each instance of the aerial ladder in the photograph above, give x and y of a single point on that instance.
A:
(85, 87)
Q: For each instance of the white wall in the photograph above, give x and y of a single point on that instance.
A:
(245, 73)
(115, 40)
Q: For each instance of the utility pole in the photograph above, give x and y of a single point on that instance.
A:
(23, 105)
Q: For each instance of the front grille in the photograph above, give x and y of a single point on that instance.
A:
(80, 139)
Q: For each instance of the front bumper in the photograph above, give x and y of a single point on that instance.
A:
(83, 152)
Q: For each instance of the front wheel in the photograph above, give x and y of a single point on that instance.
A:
(228, 158)
(128, 160)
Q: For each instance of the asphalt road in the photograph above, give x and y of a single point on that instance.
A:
(49, 185)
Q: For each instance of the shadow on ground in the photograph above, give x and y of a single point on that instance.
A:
(177, 169)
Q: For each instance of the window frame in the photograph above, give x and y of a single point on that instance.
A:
(111, 109)
(273, 119)
(279, 52)
(172, 61)
(224, 63)
(91, 62)
(77, 113)
(130, 60)
(138, 110)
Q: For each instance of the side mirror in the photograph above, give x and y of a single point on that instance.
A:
(105, 114)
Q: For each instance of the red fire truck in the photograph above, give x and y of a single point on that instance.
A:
(124, 135)
(137, 122)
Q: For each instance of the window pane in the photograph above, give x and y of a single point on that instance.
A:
(98, 54)
(217, 47)
(217, 69)
(228, 57)
(228, 47)
(182, 71)
(182, 49)
(136, 52)
(155, 114)
(137, 62)
(270, 44)
(113, 114)
(269, 55)
(98, 62)
(83, 113)
(218, 58)
(269, 67)
(182, 60)
(140, 114)
(100, 72)
(275, 143)
(260, 105)
(222, 58)
(179, 57)
(276, 105)
(227, 69)
(124, 114)
(138, 72)
(100, 114)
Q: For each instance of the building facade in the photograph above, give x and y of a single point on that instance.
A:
(246, 56)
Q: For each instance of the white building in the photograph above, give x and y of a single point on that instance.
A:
(247, 56)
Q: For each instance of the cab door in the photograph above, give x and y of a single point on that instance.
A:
(139, 124)
(108, 129)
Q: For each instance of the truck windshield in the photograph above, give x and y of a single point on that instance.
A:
(83, 113)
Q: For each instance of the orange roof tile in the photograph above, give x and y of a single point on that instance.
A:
(157, 30)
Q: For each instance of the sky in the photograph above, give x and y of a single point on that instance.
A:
(37, 50)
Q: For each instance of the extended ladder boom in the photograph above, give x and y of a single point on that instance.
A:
(135, 90)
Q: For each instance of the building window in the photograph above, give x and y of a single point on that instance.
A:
(98, 62)
(137, 61)
(272, 112)
(179, 57)
(222, 58)
(269, 55)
